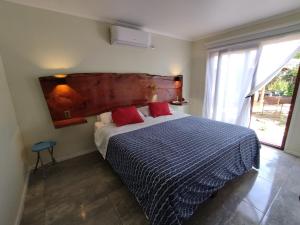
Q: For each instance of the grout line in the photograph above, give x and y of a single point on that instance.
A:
(271, 181)
(115, 209)
(271, 204)
(249, 203)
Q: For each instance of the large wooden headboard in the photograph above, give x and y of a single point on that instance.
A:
(76, 96)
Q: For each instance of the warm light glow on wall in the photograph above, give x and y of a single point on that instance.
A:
(63, 97)
(57, 61)
(56, 65)
(60, 75)
(175, 69)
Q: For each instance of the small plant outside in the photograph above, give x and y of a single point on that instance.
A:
(284, 83)
(272, 103)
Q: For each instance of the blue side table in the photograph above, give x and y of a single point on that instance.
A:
(42, 146)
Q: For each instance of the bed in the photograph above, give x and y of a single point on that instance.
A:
(174, 163)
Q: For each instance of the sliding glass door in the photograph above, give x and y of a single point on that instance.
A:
(254, 86)
(273, 105)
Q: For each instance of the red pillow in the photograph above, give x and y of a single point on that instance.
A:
(126, 115)
(159, 109)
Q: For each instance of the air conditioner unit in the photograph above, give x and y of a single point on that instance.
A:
(128, 36)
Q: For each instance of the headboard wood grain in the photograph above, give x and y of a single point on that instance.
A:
(86, 94)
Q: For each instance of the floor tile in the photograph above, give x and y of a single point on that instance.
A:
(79, 211)
(245, 214)
(274, 170)
(284, 210)
(220, 209)
(34, 207)
(36, 217)
(127, 207)
(293, 181)
(275, 154)
(259, 194)
(211, 212)
(86, 191)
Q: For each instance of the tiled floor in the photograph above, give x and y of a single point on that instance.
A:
(85, 190)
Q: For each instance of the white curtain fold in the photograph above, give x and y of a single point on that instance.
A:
(226, 88)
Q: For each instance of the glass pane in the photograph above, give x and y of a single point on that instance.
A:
(272, 104)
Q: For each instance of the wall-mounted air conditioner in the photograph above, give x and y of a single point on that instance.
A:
(128, 36)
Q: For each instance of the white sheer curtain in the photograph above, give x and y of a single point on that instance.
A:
(232, 75)
(226, 88)
(274, 55)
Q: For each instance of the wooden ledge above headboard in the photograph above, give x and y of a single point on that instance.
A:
(86, 94)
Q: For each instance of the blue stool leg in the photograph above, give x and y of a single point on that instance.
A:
(37, 162)
(42, 166)
(51, 154)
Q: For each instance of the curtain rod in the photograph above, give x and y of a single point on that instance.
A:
(254, 37)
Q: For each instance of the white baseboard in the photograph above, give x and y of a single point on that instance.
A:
(87, 151)
(71, 156)
(22, 200)
(292, 152)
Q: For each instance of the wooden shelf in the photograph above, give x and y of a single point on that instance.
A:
(69, 122)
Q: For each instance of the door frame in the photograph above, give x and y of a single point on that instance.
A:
(290, 114)
(289, 118)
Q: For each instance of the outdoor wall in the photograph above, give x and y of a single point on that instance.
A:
(38, 42)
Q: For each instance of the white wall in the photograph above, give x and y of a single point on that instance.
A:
(38, 42)
(12, 155)
(293, 141)
(199, 54)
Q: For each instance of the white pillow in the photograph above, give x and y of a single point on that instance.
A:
(105, 118)
(141, 114)
(99, 125)
(172, 110)
(144, 110)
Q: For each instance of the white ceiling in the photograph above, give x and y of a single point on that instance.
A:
(184, 19)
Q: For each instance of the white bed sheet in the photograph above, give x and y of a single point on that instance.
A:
(103, 132)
